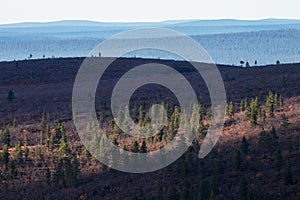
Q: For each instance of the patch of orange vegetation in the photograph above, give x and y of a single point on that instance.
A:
(225, 133)
(206, 122)
(248, 157)
(243, 132)
(259, 175)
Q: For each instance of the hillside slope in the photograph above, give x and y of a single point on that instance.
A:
(42, 157)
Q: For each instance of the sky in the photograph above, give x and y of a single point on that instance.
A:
(13, 11)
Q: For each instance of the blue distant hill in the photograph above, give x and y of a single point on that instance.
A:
(227, 40)
(220, 22)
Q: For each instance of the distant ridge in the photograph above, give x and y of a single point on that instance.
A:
(228, 41)
(214, 22)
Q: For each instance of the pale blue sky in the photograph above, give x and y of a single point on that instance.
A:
(151, 10)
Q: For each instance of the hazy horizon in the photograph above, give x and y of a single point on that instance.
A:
(15, 11)
(153, 21)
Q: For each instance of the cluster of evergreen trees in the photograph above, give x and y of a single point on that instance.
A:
(254, 111)
(64, 169)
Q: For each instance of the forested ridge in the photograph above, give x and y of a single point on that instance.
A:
(42, 157)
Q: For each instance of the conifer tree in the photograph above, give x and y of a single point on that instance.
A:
(278, 159)
(273, 134)
(41, 138)
(254, 107)
(204, 189)
(208, 114)
(141, 115)
(25, 139)
(268, 139)
(243, 188)
(10, 95)
(75, 169)
(135, 148)
(48, 176)
(281, 102)
(14, 123)
(64, 149)
(244, 145)
(59, 175)
(242, 108)
(38, 156)
(26, 153)
(18, 152)
(237, 159)
(43, 122)
(201, 129)
(288, 177)
(186, 190)
(270, 104)
(201, 170)
(284, 121)
(275, 100)
(245, 104)
(12, 169)
(230, 109)
(50, 142)
(143, 147)
(5, 154)
(5, 136)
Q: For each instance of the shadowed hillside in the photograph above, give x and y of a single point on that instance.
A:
(42, 157)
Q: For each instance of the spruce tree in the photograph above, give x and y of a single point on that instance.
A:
(48, 176)
(270, 104)
(26, 153)
(230, 109)
(186, 189)
(5, 136)
(245, 104)
(275, 100)
(75, 169)
(59, 174)
(268, 139)
(38, 156)
(278, 159)
(143, 147)
(281, 102)
(43, 122)
(204, 189)
(18, 152)
(63, 149)
(284, 121)
(254, 107)
(201, 170)
(201, 131)
(5, 154)
(242, 108)
(244, 145)
(12, 169)
(273, 134)
(288, 177)
(237, 159)
(25, 139)
(135, 148)
(10, 95)
(243, 188)
(14, 123)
